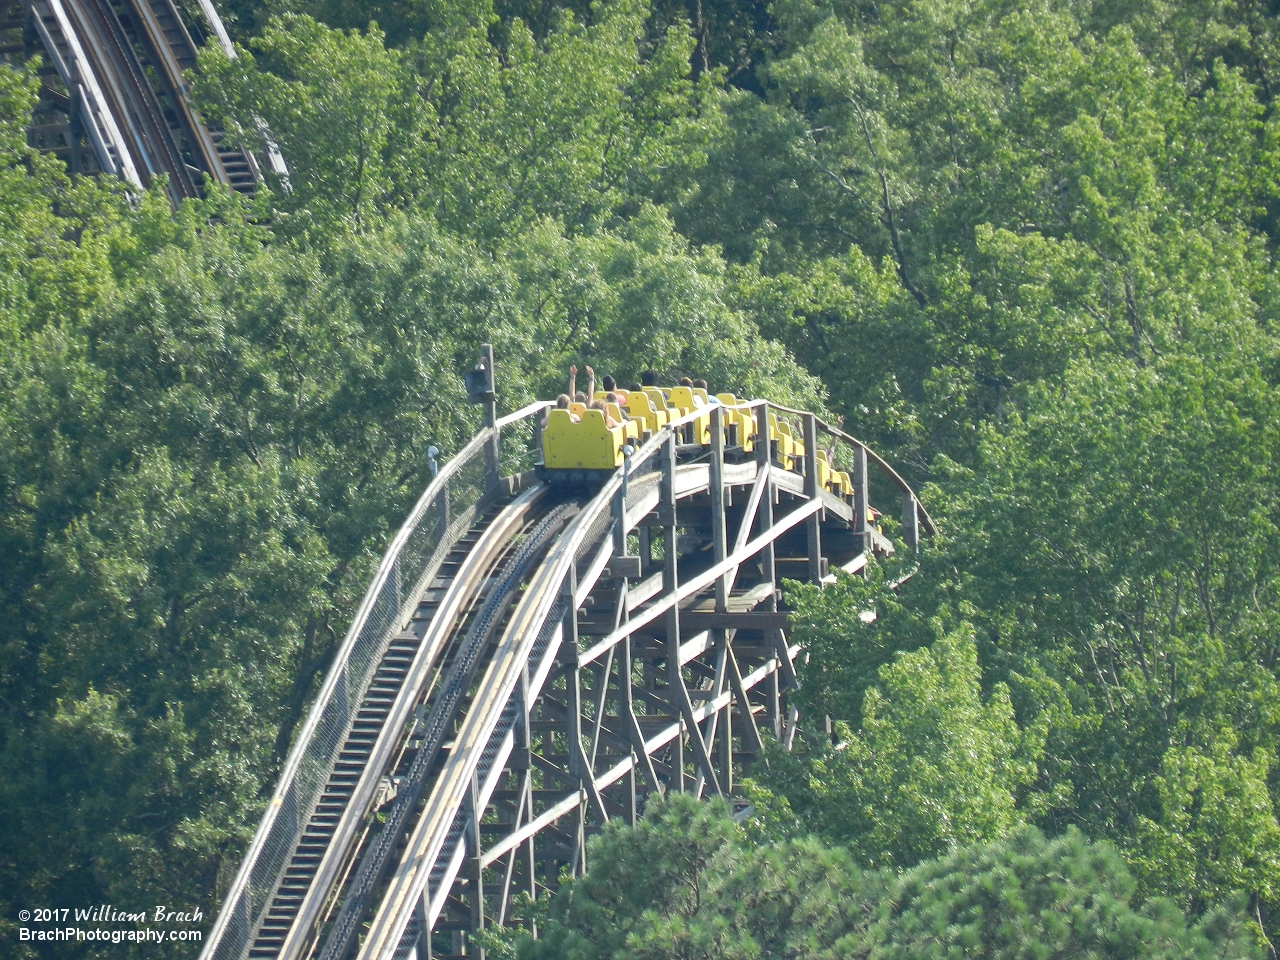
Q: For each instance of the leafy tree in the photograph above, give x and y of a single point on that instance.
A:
(571, 127)
(1118, 546)
(931, 766)
(685, 883)
(326, 96)
(852, 629)
(1033, 897)
(1036, 240)
(1217, 831)
(938, 205)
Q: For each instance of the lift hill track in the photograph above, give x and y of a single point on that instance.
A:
(113, 97)
(530, 661)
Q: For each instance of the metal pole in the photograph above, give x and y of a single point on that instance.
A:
(490, 418)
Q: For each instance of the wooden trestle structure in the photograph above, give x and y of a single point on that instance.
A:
(532, 661)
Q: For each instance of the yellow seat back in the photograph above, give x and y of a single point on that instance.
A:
(824, 470)
(557, 417)
(745, 419)
(688, 401)
(641, 407)
(780, 431)
(683, 397)
(587, 445)
(657, 396)
(630, 427)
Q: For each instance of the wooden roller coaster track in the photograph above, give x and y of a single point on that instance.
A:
(114, 97)
(531, 661)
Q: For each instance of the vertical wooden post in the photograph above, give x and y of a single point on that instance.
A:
(775, 706)
(491, 447)
(765, 513)
(619, 507)
(537, 439)
(424, 928)
(475, 869)
(860, 497)
(677, 692)
(670, 580)
(667, 509)
(724, 716)
(813, 524)
(579, 764)
(646, 550)
(526, 799)
(910, 521)
(719, 537)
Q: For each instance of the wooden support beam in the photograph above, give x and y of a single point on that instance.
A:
(749, 728)
(764, 516)
(750, 620)
(813, 526)
(719, 539)
(474, 864)
(911, 521)
(677, 690)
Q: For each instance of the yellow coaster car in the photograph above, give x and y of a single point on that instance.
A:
(585, 445)
(632, 428)
(824, 470)
(659, 398)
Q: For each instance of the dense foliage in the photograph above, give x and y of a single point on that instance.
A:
(688, 884)
(1026, 249)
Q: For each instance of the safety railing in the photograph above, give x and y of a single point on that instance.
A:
(441, 516)
(851, 455)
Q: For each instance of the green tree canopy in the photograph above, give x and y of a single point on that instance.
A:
(686, 883)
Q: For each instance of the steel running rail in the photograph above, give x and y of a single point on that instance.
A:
(436, 826)
(304, 886)
(442, 713)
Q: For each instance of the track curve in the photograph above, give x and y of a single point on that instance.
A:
(588, 646)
